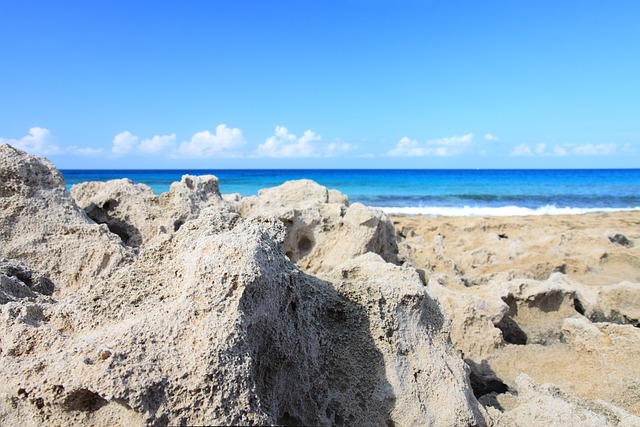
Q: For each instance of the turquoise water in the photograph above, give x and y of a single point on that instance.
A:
(431, 192)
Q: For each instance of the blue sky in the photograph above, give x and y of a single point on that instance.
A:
(322, 84)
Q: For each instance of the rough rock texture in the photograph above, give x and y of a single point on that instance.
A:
(323, 229)
(546, 405)
(569, 322)
(136, 214)
(474, 319)
(412, 336)
(42, 226)
(209, 324)
(618, 303)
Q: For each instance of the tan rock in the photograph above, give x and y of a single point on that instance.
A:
(136, 214)
(322, 228)
(42, 226)
(545, 405)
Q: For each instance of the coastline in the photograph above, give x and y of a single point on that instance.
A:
(297, 307)
(582, 246)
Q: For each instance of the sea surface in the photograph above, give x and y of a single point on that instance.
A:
(428, 192)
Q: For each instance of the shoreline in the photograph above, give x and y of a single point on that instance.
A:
(388, 320)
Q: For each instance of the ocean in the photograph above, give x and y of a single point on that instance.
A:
(428, 192)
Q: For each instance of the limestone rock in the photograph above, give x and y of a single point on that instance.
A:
(209, 323)
(322, 228)
(474, 319)
(230, 332)
(538, 308)
(618, 303)
(412, 335)
(137, 214)
(545, 405)
(41, 225)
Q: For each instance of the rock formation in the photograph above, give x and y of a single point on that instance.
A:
(207, 323)
(136, 214)
(323, 229)
(546, 345)
(294, 308)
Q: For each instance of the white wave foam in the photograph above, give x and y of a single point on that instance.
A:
(498, 211)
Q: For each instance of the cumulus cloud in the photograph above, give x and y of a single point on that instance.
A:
(38, 141)
(157, 143)
(594, 149)
(522, 150)
(564, 150)
(490, 137)
(123, 143)
(225, 142)
(286, 144)
(85, 151)
(450, 146)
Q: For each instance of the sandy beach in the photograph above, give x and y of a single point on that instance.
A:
(556, 264)
(295, 306)
(472, 250)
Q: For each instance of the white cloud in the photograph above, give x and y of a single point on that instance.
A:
(337, 147)
(157, 143)
(434, 147)
(594, 150)
(522, 150)
(285, 144)
(225, 142)
(564, 150)
(39, 141)
(490, 137)
(85, 151)
(123, 143)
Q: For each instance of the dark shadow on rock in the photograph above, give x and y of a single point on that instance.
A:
(483, 380)
(314, 361)
(129, 234)
(511, 331)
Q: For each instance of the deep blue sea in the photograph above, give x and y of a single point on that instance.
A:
(428, 192)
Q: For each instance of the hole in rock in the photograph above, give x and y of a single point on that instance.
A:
(84, 400)
(189, 183)
(511, 331)
(177, 224)
(304, 245)
(578, 306)
(481, 385)
(110, 205)
(120, 231)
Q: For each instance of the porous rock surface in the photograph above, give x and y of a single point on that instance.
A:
(207, 324)
(137, 214)
(41, 225)
(323, 228)
(538, 312)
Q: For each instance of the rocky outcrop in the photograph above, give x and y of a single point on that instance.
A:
(323, 229)
(136, 214)
(538, 319)
(617, 303)
(41, 225)
(211, 323)
(535, 404)
(412, 335)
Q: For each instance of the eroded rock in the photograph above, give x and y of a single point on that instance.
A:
(323, 229)
(136, 214)
(42, 226)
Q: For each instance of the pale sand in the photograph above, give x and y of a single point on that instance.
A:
(475, 249)
(465, 253)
